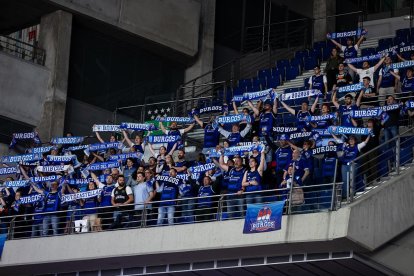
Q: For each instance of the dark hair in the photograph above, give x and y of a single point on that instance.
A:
(173, 170)
(94, 186)
(366, 78)
(121, 175)
(349, 96)
(141, 173)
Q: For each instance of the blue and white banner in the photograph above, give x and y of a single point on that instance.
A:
(357, 32)
(232, 119)
(124, 156)
(389, 50)
(8, 170)
(22, 158)
(16, 183)
(105, 146)
(366, 113)
(61, 158)
(349, 130)
(52, 169)
(166, 178)
(184, 176)
(299, 94)
(263, 217)
(81, 195)
(209, 109)
(39, 179)
(105, 128)
(248, 96)
(79, 181)
(75, 148)
(285, 129)
(24, 136)
(325, 149)
(362, 59)
(237, 150)
(41, 149)
(322, 132)
(3, 238)
(31, 199)
(409, 104)
(163, 139)
(389, 107)
(350, 88)
(66, 140)
(202, 168)
(103, 166)
(184, 120)
(301, 135)
(138, 126)
(403, 48)
(324, 117)
(404, 64)
(237, 98)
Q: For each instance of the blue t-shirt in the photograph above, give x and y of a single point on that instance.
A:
(345, 111)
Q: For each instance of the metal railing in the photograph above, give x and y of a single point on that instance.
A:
(22, 50)
(376, 165)
(316, 198)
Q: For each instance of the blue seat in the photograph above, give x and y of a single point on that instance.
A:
(265, 73)
(292, 72)
(328, 168)
(406, 155)
(282, 63)
(301, 54)
(245, 82)
(368, 51)
(297, 62)
(273, 82)
(310, 63)
(402, 32)
(276, 72)
(253, 88)
(385, 43)
(238, 91)
(326, 52)
(317, 53)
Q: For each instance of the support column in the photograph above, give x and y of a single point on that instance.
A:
(323, 25)
(54, 37)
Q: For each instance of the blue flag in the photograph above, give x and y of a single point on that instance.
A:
(263, 217)
(3, 238)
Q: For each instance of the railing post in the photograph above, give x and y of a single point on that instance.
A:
(144, 216)
(351, 182)
(10, 234)
(220, 209)
(397, 155)
(71, 226)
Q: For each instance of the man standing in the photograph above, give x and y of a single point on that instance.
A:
(121, 196)
(386, 82)
(143, 195)
(319, 82)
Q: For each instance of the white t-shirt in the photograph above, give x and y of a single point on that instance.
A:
(362, 73)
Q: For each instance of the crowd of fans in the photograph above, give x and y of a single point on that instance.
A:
(280, 156)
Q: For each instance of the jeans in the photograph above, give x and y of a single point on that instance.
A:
(253, 198)
(37, 229)
(166, 210)
(235, 206)
(53, 220)
(187, 208)
(346, 178)
(389, 133)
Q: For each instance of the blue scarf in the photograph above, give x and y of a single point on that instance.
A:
(366, 113)
(404, 48)
(322, 132)
(321, 118)
(357, 32)
(66, 140)
(409, 104)
(61, 159)
(202, 168)
(237, 98)
(75, 148)
(285, 129)
(9, 170)
(184, 120)
(404, 64)
(104, 146)
(39, 179)
(300, 135)
(389, 50)
(299, 94)
(41, 149)
(257, 95)
(105, 128)
(209, 109)
(325, 149)
(47, 169)
(362, 59)
(16, 183)
(24, 136)
(103, 166)
(232, 119)
(139, 127)
(169, 179)
(163, 139)
(350, 88)
(31, 199)
(22, 158)
(81, 195)
(124, 156)
(239, 150)
(349, 130)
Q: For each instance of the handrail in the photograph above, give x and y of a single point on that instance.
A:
(36, 54)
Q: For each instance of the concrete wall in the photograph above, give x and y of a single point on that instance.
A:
(22, 89)
(174, 24)
(386, 27)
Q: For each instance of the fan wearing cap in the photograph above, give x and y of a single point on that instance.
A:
(234, 185)
(345, 109)
(350, 50)
(350, 152)
(319, 82)
(267, 116)
(281, 156)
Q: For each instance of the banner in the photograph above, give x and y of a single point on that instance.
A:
(324, 117)
(389, 50)
(124, 156)
(47, 169)
(299, 94)
(61, 158)
(31, 199)
(248, 96)
(404, 64)
(350, 88)
(41, 149)
(404, 48)
(366, 113)
(104, 146)
(16, 183)
(209, 109)
(357, 32)
(300, 135)
(24, 136)
(325, 149)
(38, 179)
(81, 195)
(263, 217)
(184, 120)
(163, 139)
(237, 98)
(3, 238)
(237, 150)
(75, 148)
(166, 178)
(66, 140)
(138, 127)
(22, 158)
(362, 59)
(322, 132)
(202, 168)
(389, 107)
(285, 129)
(409, 104)
(103, 166)
(105, 128)
(232, 119)
(349, 130)
(8, 170)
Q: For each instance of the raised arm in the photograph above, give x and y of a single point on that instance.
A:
(199, 122)
(151, 149)
(162, 127)
(337, 44)
(223, 166)
(275, 105)
(255, 110)
(98, 136)
(190, 127)
(223, 132)
(262, 162)
(334, 100)
(397, 76)
(246, 130)
(288, 108)
(379, 64)
(129, 142)
(37, 189)
(173, 149)
(245, 183)
(361, 38)
(314, 104)
(358, 101)
(353, 68)
(400, 57)
(24, 173)
(235, 108)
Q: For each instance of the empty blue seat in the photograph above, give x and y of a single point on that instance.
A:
(292, 72)
(296, 62)
(301, 54)
(406, 155)
(310, 63)
(368, 51)
(317, 53)
(265, 73)
(276, 72)
(245, 82)
(282, 63)
(273, 82)
(238, 91)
